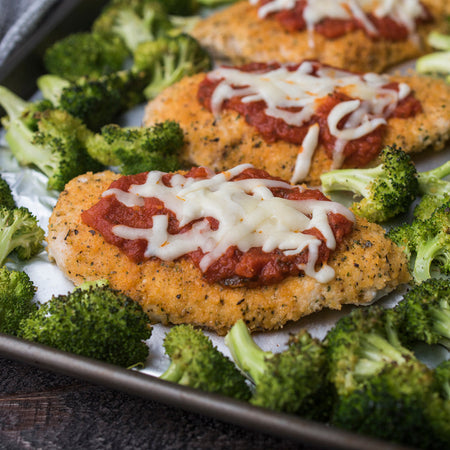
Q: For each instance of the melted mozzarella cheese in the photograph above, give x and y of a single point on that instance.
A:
(248, 214)
(283, 90)
(405, 12)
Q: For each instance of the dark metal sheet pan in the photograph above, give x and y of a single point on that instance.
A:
(19, 73)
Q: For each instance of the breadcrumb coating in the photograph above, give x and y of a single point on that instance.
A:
(227, 141)
(366, 264)
(236, 34)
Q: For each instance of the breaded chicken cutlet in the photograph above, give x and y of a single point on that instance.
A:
(230, 137)
(239, 35)
(365, 264)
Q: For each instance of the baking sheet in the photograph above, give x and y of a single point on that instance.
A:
(29, 188)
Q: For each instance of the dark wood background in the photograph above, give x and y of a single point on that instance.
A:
(44, 410)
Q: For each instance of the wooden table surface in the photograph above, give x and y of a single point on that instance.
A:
(44, 410)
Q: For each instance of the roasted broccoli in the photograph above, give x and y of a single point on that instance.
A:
(195, 362)
(432, 182)
(426, 242)
(16, 299)
(428, 204)
(96, 102)
(94, 321)
(138, 149)
(190, 7)
(387, 190)
(19, 233)
(169, 59)
(289, 381)
(51, 140)
(424, 313)
(134, 22)
(397, 404)
(361, 345)
(6, 195)
(85, 54)
(437, 63)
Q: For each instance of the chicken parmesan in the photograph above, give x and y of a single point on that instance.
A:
(359, 35)
(300, 120)
(210, 248)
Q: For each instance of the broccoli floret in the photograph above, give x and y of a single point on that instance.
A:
(138, 149)
(442, 376)
(289, 381)
(424, 313)
(16, 299)
(6, 196)
(387, 190)
(51, 140)
(134, 22)
(393, 405)
(437, 63)
(19, 232)
(96, 102)
(426, 242)
(428, 204)
(85, 54)
(169, 59)
(403, 236)
(432, 243)
(195, 362)
(95, 321)
(361, 345)
(431, 182)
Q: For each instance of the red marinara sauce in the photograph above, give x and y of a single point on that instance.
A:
(357, 153)
(234, 268)
(386, 27)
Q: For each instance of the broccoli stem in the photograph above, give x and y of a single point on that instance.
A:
(174, 373)
(376, 351)
(19, 139)
(350, 180)
(52, 87)
(438, 62)
(12, 104)
(248, 356)
(425, 254)
(441, 322)
(439, 40)
(431, 180)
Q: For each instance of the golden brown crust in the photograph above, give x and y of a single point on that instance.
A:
(236, 34)
(228, 141)
(174, 292)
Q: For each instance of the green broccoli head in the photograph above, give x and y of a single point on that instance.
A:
(361, 345)
(289, 381)
(16, 299)
(6, 196)
(139, 149)
(134, 22)
(195, 362)
(19, 232)
(432, 243)
(96, 321)
(387, 190)
(57, 147)
(428, 204)
(85, 54)
(442, 377)
(96, 102)
(403, 236)
(424, 313)
(392, 405)
(169, 59)
(432, 181)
